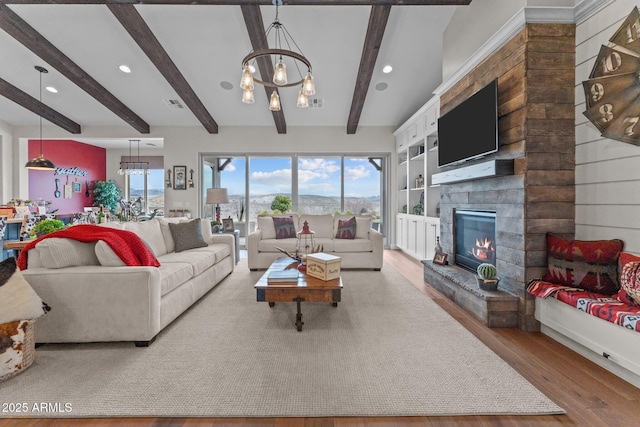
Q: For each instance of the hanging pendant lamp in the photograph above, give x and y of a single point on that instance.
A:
(40, 162)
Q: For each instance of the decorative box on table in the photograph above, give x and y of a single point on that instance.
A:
(323, 266)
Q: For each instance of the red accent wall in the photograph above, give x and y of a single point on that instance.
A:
(66, 154)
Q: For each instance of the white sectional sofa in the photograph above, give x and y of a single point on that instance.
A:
(95, 298)
(362, 252)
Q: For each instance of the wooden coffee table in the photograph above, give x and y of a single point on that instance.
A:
(307, 289)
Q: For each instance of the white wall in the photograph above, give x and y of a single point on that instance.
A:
(471, 26)
(182, 146)
(607, 171)
(6, 158)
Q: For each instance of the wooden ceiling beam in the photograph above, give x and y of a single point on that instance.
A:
(144, 37)
(255, 2)
(22, 98)
(373, 39)
(15, 26)
(255, 28)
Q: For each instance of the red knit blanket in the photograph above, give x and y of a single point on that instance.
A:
(126, 244)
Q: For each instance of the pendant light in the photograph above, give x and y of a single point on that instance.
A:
(40, 163)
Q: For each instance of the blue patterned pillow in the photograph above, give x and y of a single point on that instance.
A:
(284, 228)
(347, 229)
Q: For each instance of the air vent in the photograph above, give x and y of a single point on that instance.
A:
(173, 104)
(316, 102)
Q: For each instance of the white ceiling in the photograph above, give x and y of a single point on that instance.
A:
(207, 44)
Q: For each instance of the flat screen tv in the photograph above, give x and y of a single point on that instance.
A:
(470, 130)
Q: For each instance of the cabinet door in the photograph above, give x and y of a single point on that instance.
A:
(401, 231)
(431, 120)
(412, 237)
(420, 242)
(431, 231)
(401, 141)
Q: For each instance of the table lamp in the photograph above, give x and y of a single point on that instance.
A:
(217, 196)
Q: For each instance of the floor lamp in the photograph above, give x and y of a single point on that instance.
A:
(217, 196)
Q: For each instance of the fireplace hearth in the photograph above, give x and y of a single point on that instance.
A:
(474, 238)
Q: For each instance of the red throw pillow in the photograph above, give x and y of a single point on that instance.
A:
(284, 227)
(346, 229)
(590, 265)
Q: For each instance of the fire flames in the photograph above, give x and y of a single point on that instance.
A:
(484, 250)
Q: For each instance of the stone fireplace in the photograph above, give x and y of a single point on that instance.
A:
(474, 238)
(536, 132)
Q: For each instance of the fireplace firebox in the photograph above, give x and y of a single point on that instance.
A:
(474, 238)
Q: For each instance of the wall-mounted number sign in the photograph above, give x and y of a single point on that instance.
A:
(612, 93)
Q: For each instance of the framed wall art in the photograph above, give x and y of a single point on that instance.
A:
(180, 177)
(440, 259)
(227, 224)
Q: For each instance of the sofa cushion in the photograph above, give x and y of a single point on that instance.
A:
(363, 225)
(346, 228)
(355, 245)
(59, 253)
(220, 250)
(205, 228)
(321, 225)
(106, 256)
(173, 274)
(199, 260)
(166, 233)
(269, 245)
(187, 235)
(265, 225)
(590, 265)
(284, 227)
(150, 232)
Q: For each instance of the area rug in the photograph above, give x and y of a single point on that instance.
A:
(386, 350)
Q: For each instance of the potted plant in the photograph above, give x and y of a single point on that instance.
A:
(486, 277)
(215, 226)
(47, 226)
(107, 194)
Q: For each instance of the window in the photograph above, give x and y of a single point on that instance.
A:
(315, 184)
(150, 188)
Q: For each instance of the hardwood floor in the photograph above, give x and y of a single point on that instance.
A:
(590, 395)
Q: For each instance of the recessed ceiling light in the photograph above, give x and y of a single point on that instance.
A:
(381, 86)
(124, 68)
(387, 69)
(226, 85)
(51, 89)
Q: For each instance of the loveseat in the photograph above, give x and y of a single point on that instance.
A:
(582, 302)
(348, 236)
(95, 297)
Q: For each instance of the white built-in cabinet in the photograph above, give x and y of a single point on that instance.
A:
(417, 211)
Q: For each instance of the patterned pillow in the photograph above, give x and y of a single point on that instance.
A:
(347, 229)
(590, 265)
(629, 279)
(18, 301)
(187, 235)
(284, 227)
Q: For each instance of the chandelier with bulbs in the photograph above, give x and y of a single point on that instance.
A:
(276, 54)
(137, 167)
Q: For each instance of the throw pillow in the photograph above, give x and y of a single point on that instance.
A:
(265, 224)
(151, 233)
(58, 252)
(187, 235)
(18, 301)
(346, 229)
(284, 227)
(629, 279)
(590, 265)
(106, 256)
(363, 225)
